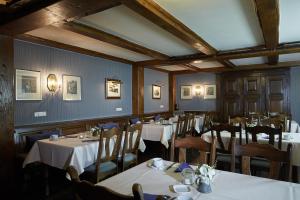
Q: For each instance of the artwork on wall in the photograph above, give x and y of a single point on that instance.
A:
(210, 92)
(156, 92)
(28, 85)
(112, 89)
(186, 92)
(71, 88)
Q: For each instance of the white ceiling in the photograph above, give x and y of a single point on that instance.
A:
(71, 38)
(125, 23)
(224, 24)
(289, 27)
(249, 61)
(289, 57)
(172, 68)
(207, 64)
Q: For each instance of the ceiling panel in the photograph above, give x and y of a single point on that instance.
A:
(206, 64)
(172, 68)
(249, 61)
(71, 38)
(123, 22)
(289, 29)
(289, 57)
(224, 24)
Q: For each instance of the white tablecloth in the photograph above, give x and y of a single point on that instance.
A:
(226, 185)
(158, 132)
(66, 152)
(295, 128)
(295, 141)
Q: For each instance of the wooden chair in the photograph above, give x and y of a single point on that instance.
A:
(131, 146)
(148, 118)
(208, 119)
(199, 144)
(190, 124)
(274, 156)
(107, 165)
(224, 153)
(179, 132)
(84, 190)
(271, 132)
(284, 119)
(239, 121)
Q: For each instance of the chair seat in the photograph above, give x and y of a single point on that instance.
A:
(260, 162)
(105, 169)
(226, 158)
(129, 158)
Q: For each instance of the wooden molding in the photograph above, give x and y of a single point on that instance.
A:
(137, 90)
(20, 20)
(268, 15)
(172, 92)
(284, 48)
(157, 15)
(266, 66)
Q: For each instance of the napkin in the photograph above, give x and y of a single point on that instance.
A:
(182, 166)
(150, 196)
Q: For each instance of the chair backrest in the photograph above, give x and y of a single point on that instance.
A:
(269, 152)
(132, 139)
(271, 132)
(240, 121)
(205, 149)
(220, 129)
(148, 118)
(85, 190)
(208, 119)
(114, 136)
(179, 132)
(284, 119)
(190, 122)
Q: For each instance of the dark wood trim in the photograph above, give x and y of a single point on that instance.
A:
(285, 48)
(208, 70)
(172, 92)
(266, 66)
(67, 47)
(111, 39)
(137, 90)
(7, 96)
(157, 15)
(268, 15)
(43, 13)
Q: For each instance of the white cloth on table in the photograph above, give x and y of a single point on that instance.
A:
(225, 185)
(69, 151)
(295, 141)
(158, 132)
(295, 128)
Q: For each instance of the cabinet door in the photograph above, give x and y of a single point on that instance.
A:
(253, 97)
(277, 89)
(232, 94)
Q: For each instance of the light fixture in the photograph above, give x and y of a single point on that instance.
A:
(198, 90)
(51, 82)
(198, 61)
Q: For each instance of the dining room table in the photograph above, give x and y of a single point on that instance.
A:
(79, 150)
(224, 185)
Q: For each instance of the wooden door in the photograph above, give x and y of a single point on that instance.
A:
(253, 94)
(277, 93)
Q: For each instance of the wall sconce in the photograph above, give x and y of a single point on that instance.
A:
(51, 82)
(198, 90)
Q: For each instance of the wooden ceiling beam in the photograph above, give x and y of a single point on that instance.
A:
(227, 55)
(72, 48)
(157, 15)
(268, 15)
(42, 13)
(267, 66)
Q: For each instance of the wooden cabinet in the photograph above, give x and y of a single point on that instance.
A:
(259, 91)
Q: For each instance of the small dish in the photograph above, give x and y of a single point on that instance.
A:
(183, 197)
(181, 188)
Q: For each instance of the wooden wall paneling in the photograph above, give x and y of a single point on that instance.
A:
(137, 90)
(7, 97)
(253, 96)
(172, 92)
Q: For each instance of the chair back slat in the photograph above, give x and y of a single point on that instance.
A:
(133, 132)
(179, 132)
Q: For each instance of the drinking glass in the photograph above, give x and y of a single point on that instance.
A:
(188, 175)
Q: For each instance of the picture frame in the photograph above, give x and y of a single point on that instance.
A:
(28, 85)
(112, 89)
(156, 91)
(186, 92)
(210, 92)
(71, 88)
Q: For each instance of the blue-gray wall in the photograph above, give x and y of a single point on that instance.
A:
(157, 78)
(295, 93)
(92, 71)
(197, 103)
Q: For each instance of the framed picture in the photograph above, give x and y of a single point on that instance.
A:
(112, 89)
(186, 92)
(210, 92)
(71, 88)
(28, 85)
(156, 92)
